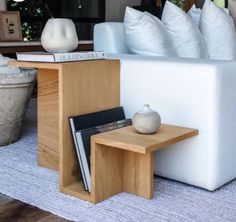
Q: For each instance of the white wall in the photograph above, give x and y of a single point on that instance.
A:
(115, 9)
(232, 10)
(2, 4)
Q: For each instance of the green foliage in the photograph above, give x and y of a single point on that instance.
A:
(33, 17)
(32, 30)
(179, 3)
(28, 7)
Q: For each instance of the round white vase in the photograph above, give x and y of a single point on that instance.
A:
(147, 121)
(59, 35)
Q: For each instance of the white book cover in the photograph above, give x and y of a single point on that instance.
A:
(60, 57)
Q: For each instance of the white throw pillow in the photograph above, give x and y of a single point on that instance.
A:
(218, 30)
(184, 33)
(146, 35)
(195, 14)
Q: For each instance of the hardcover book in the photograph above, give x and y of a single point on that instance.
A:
(83, 147)
(78, 153)
(90, 120)
(59, 57)
(97, 118)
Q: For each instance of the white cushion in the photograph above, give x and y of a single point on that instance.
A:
(184, 33)
(219, 32)
(195, 14)
(110, 37)
(145, 35)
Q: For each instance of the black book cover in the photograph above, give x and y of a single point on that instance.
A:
(98, 118)
(83, 138)
(90, 120)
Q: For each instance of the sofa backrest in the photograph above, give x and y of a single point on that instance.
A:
(109, 37)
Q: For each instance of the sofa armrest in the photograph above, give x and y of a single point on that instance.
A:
(109, 37)
(192, 93)
(176, 80)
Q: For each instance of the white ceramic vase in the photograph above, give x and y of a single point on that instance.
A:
(59, 35)
(15, 91)
(147, 121)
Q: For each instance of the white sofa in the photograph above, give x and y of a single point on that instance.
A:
(187, 92)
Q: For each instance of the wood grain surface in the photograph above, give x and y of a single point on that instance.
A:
(48, 119)
(83, 88)
(122, 160)
(128, 139)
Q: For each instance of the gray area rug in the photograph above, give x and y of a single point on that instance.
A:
(22, 179)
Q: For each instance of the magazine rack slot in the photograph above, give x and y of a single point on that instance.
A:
(77, 190)
(95, 87)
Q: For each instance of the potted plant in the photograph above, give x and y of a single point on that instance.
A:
(16, 86)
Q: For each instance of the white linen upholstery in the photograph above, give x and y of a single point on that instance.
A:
(146, 35)
(194, 93)
(218, 31)
(184, 33)
(110, 36)
(195, 14)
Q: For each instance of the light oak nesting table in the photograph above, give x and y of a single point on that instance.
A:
(64, 90)
(122, 161)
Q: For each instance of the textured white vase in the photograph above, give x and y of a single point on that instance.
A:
(146, 121)
(15, 91)
(59, 35)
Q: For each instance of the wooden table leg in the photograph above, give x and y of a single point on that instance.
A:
(138, 174)
(48, 119)
(106, 172)
(115, 170)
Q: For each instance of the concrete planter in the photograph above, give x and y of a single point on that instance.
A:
(15, 92)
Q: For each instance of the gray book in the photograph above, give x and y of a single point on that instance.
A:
(77, 151)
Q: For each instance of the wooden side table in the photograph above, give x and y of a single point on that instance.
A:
(67, 89)
(122, 161)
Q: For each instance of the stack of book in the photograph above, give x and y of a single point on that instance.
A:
(84, 126)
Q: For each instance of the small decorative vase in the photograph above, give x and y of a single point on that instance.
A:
(147, 121)
(59, 35)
